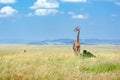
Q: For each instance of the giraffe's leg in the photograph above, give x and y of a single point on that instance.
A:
(76, 51)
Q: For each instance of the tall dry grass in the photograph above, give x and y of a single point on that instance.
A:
(58, 63)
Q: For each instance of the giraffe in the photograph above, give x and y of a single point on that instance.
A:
(76, 44)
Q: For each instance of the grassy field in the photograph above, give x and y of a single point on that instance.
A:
(58, 63)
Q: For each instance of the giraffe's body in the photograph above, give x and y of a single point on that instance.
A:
(76, 45)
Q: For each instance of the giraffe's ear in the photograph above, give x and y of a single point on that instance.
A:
(78, 28)
(74, 30)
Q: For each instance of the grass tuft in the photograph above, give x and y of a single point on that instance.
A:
(102, 68)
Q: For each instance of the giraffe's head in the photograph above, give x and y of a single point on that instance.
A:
(76, 29)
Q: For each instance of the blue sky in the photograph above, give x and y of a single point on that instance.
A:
(54, 19)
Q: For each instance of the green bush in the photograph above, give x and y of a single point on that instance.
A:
(87, 54)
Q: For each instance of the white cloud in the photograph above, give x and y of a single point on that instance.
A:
(74, 0)
(44, 12)
(80, 16)
(7, 1)
(106, 0)
(117, 3)
(30, 14)
(45, 4)
(113, 15)
(71, 13)
(7, 11)
(45, 7)
(61, 12)
(81, 9)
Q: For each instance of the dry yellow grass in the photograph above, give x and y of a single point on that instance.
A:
(58, 63)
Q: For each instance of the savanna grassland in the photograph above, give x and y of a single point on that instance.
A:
(43, 62)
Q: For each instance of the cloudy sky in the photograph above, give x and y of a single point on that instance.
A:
(54, 19)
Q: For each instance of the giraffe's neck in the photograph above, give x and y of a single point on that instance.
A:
(78, 37)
